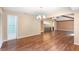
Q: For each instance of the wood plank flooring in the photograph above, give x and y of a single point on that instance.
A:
(50, 41)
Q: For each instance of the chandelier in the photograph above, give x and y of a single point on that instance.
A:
(41, 17)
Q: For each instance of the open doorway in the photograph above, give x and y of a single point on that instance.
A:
(66, 23)
(11, 27)
(48, 25)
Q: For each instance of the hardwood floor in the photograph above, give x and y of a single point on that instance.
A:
(50, 41)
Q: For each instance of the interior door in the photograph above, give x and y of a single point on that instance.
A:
(11, 27)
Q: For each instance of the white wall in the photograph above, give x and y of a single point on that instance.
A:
(55, 25)
(76, 27)
(67, 25)
(1, 41)
(4, 26)
(27, 25)
(60, 11)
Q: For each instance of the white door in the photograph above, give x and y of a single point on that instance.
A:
(11, 27)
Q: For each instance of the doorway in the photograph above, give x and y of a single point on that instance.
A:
(12, 27)
(48, 25)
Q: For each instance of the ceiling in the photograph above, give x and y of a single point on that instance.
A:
(65, 17)
(39, 10)
(47, 11)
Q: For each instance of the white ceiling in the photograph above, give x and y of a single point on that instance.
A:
(65, 17)
(49, 11)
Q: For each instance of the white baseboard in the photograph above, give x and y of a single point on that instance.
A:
(76, 43)
(20, 37)
(64, 30)
(27, 36)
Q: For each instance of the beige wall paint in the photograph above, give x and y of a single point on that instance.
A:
(65, 25)
(76, 28)
(27, 25)
(0, 23)
(4, 26)
(1, 41)
(55, 25)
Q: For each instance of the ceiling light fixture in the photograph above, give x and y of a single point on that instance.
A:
(41, 17)
(38, 17)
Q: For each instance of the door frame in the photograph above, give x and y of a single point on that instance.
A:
(16, 27)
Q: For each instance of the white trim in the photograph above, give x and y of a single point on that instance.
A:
(65, 30)
(27, 36)
(16, 27)
(76, 43)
